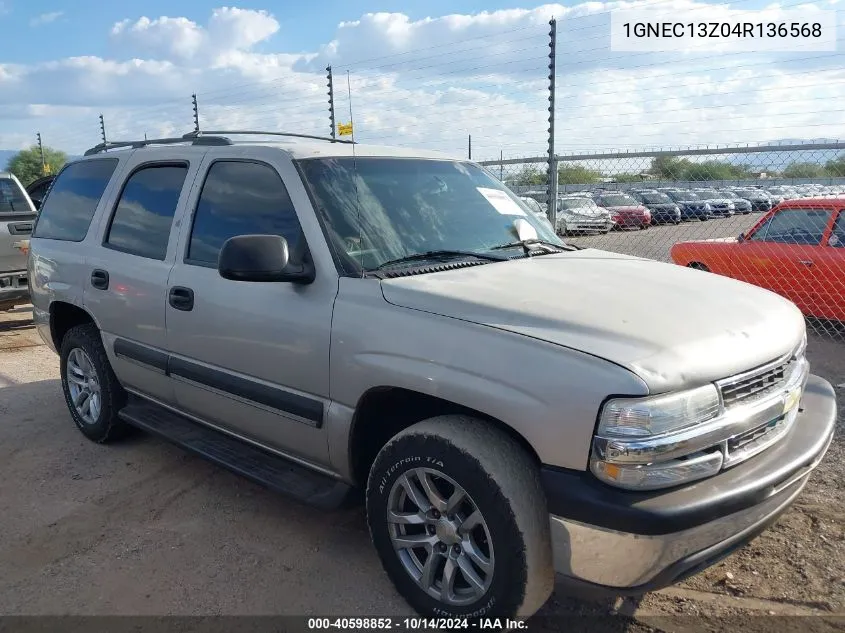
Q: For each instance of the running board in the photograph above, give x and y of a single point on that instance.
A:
(265, 468)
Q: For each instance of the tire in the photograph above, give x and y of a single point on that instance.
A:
(501, 482)
(83, 358)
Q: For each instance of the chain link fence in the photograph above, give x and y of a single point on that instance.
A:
(772, 216)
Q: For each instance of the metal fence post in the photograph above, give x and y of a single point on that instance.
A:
(552, 162)
(41, 151)
(196, 112)
(330, 84)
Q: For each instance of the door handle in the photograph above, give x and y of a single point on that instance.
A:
(806, 262)
(181, 298)
(100, 279)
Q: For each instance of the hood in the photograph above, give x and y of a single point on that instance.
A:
(663, 205)
(589, 212)
(675, 327)
(719, 200)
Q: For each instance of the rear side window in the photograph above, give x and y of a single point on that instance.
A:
(144, 214)
(837, 238)
(240, 198)
(67, 211)
(12, 198)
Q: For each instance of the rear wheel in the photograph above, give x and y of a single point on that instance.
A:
(459, 520)
(92, 392)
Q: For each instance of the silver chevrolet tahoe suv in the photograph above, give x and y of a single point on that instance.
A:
(323, 317)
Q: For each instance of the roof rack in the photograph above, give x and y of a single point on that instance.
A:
(203, 133)
(195, 140)
(214, 138)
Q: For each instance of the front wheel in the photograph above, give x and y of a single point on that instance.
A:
(458, 517)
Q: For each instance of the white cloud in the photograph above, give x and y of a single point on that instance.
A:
(228, 30)
(428, 82)
(44, 18)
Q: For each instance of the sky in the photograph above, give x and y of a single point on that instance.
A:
(425, 74)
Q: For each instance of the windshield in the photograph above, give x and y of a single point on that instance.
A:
(683, 195)
(617, 200)
(747, 192)
(377, 210)
(728, 194)
(655, 198)
(575, 203)
(12, 198)
(709, 193)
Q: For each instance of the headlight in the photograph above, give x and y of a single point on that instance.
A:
(628, 451)
(657, 415)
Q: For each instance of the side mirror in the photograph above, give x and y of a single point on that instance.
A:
(741, 237)
(834, 240)
(262, 258)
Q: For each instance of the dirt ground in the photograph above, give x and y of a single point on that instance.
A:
(142, 528)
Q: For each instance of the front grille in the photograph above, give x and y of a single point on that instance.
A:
(755, 385)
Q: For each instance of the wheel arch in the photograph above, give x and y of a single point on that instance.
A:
(65, 315)
(384, 411)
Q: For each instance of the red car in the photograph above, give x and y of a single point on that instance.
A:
(626, 212)
(796, 250)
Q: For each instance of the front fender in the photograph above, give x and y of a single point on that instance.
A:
(548, 394)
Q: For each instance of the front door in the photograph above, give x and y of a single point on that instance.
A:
(780, 254)
(250, 358)
(126, 281)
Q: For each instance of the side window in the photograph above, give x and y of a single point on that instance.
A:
(794, 226)
(837, 237)
(12, 198)
(240, 198)
(144, 214)
(74, 196)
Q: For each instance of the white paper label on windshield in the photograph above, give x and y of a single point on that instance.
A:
(501, 201)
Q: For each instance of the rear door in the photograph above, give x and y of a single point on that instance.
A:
(126, 288)
(16, 218)
(781, 254)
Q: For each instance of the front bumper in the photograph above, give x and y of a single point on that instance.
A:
(14, 287)
(629, 542)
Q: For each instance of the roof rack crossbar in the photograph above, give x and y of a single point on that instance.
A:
(262, 133)
(204, 140)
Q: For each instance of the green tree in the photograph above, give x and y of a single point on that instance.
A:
(669, 167)
(529, 176)
(836, 167)
(803, 170)
(26, 164)
(577, 175)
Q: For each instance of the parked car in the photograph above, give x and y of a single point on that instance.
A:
(625, 211)
(663, 209)
(16, 217)
(720, 206)
(759, 199)
(538, 210)
(741, 205)
(692, 207)
(579, 214)
(796, 250)
(511, 405)
(779, 193)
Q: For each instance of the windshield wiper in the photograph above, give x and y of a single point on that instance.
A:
(526, 244)
(440, 254)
